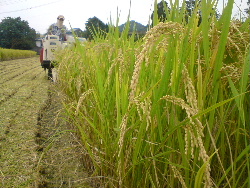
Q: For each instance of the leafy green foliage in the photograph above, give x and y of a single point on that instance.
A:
(134, 28)
(78, 32)
(161, 12)
(190, 8)
(247, 10)
(164, 11)
(16, 34)
(95, 26)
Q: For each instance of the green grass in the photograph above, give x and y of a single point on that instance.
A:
(10, 54)
(170, 110)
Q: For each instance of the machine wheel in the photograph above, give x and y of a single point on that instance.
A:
(50, 76)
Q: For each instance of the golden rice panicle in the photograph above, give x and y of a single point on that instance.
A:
(135, 77)
(81, 99)
(178, 175)
(110, 71)
(138, 105)
(190, 143)
(190, 92)
(145, 106)
(194, 131)
(152, 36)
(121, 143)
(180, 102)
(197, 127)
(237, 41)
(236, 49)
(122, 133)
(122, 67)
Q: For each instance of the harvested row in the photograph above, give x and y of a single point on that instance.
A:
(19, 68)
(36, 144)
(21, 95)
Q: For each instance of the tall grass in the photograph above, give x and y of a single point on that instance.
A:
(171, 110)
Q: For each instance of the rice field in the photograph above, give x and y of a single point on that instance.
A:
(170, 110)
(10, 54)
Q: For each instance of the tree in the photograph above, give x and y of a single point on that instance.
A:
(16, 34)
(162, 16)
(78, 32)
(190, 7)
(95, 26)
(163, 5)
(247, 10)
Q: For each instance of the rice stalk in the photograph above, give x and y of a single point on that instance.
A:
(169, 110)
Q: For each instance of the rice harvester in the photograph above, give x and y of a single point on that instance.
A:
(53, 41)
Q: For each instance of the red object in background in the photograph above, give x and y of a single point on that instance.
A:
(41, 55)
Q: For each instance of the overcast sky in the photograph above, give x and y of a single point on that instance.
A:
(40, 14)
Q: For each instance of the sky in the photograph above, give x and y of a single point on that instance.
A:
(40, 14)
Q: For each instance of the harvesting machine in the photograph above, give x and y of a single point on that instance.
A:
(53, 41)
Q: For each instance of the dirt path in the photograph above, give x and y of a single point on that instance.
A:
(33, 150)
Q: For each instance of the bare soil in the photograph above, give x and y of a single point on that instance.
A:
(38, 147)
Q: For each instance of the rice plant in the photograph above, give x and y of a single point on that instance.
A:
(9, 54)
(170, 110)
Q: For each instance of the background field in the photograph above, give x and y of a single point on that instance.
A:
(10, 54)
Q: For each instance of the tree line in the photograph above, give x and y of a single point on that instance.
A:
(16, 34)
